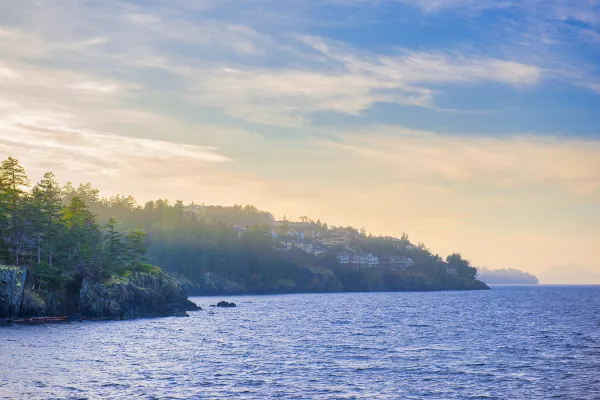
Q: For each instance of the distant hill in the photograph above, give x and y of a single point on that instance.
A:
(506, 276)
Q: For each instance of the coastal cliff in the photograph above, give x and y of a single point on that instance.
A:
(139, 295)
(327, 280)
(12, 285)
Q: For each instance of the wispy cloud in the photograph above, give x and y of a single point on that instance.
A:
(213, 63)
(349, 82)
(521, 162)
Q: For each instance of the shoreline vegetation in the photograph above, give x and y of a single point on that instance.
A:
(65, 250)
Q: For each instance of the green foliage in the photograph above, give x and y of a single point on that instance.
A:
(463, 267)
(55, 231)
(63, 232)
(113, 247)
(12, 207)
(149, 269)
(136, 248)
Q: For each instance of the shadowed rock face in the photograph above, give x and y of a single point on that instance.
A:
(212, 284)
(139, 296)
(12, 285)
(339, 279)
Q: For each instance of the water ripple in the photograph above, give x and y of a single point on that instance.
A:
(511, 342)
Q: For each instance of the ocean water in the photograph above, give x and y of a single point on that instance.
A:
(508, 343)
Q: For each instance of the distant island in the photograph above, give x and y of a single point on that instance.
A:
(66, 250)
(506, 276)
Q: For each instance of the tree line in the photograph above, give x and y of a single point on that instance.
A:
(63, 231)
(54, 232)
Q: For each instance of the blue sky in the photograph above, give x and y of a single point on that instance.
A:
(473, 125)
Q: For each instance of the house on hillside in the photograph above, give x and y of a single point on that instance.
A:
(354, 258)
(396, 262)
(388, 260)
(365, 259)
(372, 260)
(406, 263)
(343, 257)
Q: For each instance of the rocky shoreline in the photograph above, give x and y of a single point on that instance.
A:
(140, 295)
(144, 295)
(338, 280)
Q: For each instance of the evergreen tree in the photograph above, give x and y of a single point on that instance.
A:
(114, 248)
(82, 240)
(136, 246)
(47, 204)
(13, 179)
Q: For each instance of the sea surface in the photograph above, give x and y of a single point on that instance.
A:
(531, 342)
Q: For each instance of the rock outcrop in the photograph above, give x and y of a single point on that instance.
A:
(12, 286)
(209, 284)
(140, 295)
(226, 304)
(314, 279)
(311, 280)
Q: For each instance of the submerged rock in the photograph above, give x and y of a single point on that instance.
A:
(225, 304)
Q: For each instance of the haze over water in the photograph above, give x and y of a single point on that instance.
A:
(508, 343)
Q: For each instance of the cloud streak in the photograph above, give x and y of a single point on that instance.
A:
(520, 162)
(349, 82)
(216, 66)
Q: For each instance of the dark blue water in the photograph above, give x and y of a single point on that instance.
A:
(508, 343)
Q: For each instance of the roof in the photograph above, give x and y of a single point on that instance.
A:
(296, 225)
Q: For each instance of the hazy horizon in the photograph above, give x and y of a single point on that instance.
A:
(471, 126)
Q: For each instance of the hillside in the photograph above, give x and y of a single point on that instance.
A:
(66, 233)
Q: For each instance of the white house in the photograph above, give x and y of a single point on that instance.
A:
(372, 260)
(343, 257)
(406, 262)
(354, 259)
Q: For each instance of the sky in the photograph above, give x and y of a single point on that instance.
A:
(471, 125)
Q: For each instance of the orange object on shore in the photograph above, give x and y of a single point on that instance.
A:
(41, 320)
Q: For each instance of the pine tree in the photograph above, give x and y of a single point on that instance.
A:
(136, 246)
(82, 239)
(13, 199)
(114, 248)
(47, 205)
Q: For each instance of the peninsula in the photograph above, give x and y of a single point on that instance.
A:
(71, 251)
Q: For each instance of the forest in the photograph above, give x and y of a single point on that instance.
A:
(64, 231)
